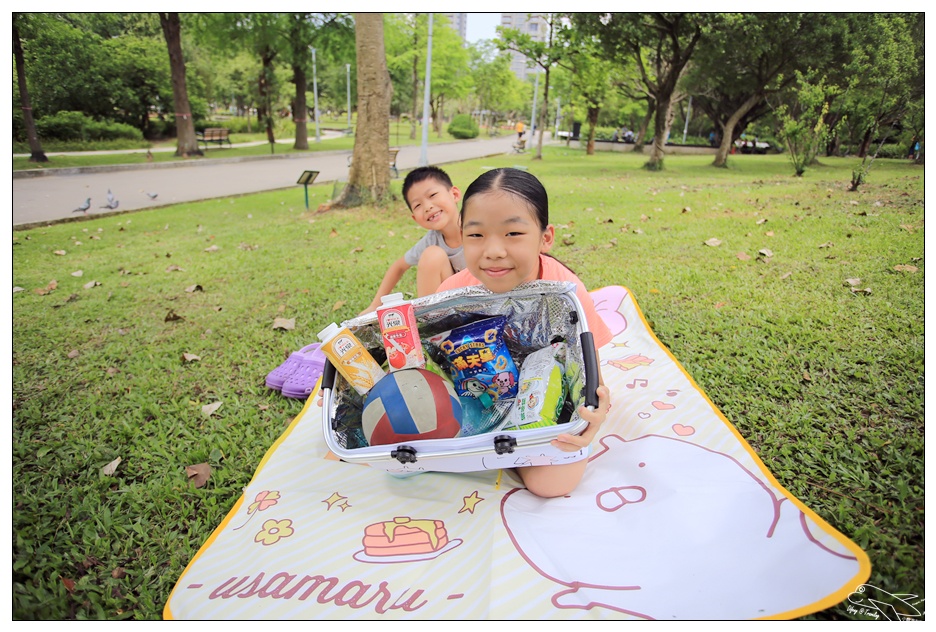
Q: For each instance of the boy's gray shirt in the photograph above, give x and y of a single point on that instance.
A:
(434, 238)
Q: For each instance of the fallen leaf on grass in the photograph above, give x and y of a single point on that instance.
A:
(198, 474)
(247, 247)
(74, 353)
(905, 268)
(333, 233)
(767, 252)
(49, 288)
(284, 323)
(358, 249)
(713, 242)
(719, 305)
(209, 409)
(827, 244)
(769, 233)
(69, 584)
(90, 284)
(743, 256)
(786, 276)
(119, 573)
(172, 316)
(568, 240)
(190, 357)
(110, 468)
(112, 371)
(211, 249)
(174, 268)
(907, 227)
(59, 252)
(194, 288)
(866, 291)
(17, 288)
(77, 273)
(338, 305)
(263, 406)
(852, 282)
(806, 377)
(686, 209)
(762, 221)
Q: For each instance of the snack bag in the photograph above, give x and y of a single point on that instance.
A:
(479, 361)
(542, 391)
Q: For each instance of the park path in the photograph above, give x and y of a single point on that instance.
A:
(52, 196)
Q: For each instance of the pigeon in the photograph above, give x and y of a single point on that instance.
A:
(151, 196)
(112, 204)
(110, 197)
(84, 207)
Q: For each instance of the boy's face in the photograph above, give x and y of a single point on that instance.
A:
(433, 204)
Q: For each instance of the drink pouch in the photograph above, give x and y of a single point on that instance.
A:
(541, 391)
(478, 360)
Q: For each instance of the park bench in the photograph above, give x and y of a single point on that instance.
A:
(218, 135)
(391, 157)
(519, 146)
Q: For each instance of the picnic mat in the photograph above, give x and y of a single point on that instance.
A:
(675, 518)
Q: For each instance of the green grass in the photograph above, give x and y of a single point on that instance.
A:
(399, 136)
(826, 384)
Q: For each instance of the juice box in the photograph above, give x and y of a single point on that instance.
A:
(350, 358)
(397, 321)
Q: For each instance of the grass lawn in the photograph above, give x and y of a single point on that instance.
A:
(825, 382)
(399, 136)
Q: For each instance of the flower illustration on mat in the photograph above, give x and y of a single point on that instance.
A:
(273, 531)
(264, 500)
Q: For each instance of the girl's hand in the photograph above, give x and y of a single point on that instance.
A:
(574, 443)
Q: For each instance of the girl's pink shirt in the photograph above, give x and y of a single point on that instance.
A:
(551, 270)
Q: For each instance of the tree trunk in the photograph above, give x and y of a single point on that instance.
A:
(642, 132)
(541, 118)
(265, 81)
(369, 177)
(660, 130)
(865, 143)
(592, 123)
(721, 156)
(187, 142)
(300, 111)
(35, 148)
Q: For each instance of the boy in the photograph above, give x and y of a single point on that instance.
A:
(433, 202)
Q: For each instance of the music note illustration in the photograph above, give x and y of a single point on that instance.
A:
(640, 382)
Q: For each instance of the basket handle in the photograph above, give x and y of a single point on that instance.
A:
(328, 375)
(591, 369)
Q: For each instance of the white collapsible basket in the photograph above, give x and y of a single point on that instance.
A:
(538, 314)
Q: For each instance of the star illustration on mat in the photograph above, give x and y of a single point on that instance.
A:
(470, 502)
(334, 498)
(344, 506)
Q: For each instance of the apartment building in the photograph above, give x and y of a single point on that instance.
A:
(459, 22)
(533, 25)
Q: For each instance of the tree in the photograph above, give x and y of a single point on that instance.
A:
(661, 44)
(496, 88)
(803, 123)
(369, 177)
(187, 142)
(35, 148)
(732, 83)
(543, 54)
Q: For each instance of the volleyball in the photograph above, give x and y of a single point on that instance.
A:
(410, 405)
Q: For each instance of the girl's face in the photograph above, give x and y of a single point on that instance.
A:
(502, 240)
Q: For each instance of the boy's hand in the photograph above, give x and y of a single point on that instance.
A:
(574, 443)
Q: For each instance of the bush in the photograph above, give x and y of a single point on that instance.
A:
(79, 126)
(463, 126)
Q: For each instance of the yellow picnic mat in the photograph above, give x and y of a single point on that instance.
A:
(676, 518)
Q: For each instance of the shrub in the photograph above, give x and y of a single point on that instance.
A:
(463, 126)
(79, 126)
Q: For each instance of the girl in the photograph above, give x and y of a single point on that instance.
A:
(506, 234)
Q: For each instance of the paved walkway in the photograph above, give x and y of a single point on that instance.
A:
(53, 196)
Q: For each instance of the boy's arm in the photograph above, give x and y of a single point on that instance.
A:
(393, 275)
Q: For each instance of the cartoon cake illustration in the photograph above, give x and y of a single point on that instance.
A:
(405, 539)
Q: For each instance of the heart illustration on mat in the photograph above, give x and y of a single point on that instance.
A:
(644, 415)
(662, 405)
(683, 431)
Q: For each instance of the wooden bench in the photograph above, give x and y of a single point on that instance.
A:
(391, 158)
(218, 135)
(519, 146)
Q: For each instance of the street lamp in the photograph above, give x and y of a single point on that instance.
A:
(348, 70)
(533, 113)
(424, 149)
(318, 137)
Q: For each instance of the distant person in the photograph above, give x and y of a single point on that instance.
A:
(628, 136)
(433, 203)
(711, 138)
(520, 129)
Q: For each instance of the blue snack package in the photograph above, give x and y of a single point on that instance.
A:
(478, 360)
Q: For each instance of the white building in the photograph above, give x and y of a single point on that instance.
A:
(459, 22)
(532, 24)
